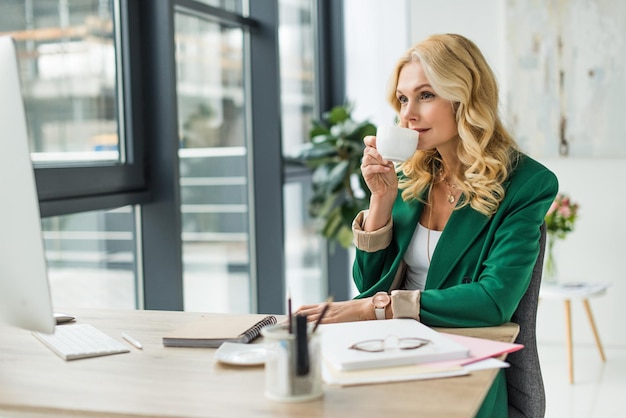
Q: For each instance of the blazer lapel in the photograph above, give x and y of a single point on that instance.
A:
(406, 216)
(461, 230)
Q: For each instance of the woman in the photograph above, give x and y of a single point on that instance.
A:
(454, 233)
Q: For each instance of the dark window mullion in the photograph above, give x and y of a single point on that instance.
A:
(266, 174)
(331, 92)
(154, 97)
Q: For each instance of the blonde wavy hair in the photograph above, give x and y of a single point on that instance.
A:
(458, 72)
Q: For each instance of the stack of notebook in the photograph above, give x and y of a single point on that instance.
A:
(444, 355)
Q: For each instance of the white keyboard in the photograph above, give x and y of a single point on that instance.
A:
(76, 341)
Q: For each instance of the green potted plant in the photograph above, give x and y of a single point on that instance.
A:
(335, 153)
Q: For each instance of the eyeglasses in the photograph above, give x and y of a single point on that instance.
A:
(391, 342)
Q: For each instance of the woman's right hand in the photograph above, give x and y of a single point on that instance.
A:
(380, 176)
(378, 173)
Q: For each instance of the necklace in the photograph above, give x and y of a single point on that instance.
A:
(431, 205)
(451, 199)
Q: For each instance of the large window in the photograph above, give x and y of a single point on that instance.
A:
(213, 165)
(158, 130)
(73, 71)
(68, 69)
(91, 259)
(304, 247)
(70, 72)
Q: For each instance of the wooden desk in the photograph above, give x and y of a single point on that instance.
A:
(187, 382)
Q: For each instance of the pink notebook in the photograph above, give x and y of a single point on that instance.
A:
(480, 349)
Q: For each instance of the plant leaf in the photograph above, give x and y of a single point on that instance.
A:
(321, 204)
(318, 129)
(337, 176)
(366, 128)
(316, 155)
(338, 114)
(344, 236)
(333, 223)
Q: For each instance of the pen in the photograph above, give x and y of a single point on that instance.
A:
(132, 341)
(289, 324)
(302, 346)
(324, 310)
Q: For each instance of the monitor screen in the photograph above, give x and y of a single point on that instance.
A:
(25, 299)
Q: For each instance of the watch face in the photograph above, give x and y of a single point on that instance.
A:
(381, 299)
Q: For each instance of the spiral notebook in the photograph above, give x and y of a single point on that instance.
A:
(212, 330)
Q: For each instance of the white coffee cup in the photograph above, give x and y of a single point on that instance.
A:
(395, 143)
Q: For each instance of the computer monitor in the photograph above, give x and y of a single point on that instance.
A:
(25, 299)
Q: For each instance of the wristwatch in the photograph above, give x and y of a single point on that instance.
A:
(380, 301)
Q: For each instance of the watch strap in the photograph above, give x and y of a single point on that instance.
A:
(380, 313)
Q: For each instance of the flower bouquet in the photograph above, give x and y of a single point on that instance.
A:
(560, 221)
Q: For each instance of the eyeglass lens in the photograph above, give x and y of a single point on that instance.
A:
(389, 343)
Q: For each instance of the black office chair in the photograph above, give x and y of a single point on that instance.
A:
(527, 397)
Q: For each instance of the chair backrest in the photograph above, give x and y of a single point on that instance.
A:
(527, 397)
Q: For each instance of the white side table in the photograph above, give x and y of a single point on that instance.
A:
(567, 291)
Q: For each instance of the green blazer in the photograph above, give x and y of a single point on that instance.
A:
(482, 265)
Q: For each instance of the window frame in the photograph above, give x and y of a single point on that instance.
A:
(79, 188)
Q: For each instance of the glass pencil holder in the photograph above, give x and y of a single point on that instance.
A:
(288, 377)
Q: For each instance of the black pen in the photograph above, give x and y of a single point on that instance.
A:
(302, 346)
(289, 316)
(324, 310)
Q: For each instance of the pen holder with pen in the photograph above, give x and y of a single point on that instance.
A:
(292, 373)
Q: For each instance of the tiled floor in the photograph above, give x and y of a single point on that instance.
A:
(598, 390)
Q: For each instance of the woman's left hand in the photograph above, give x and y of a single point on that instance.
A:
(346, 311)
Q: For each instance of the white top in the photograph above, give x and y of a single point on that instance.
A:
(416, 258)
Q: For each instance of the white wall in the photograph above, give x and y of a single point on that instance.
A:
(480, 21)
(378, 32)
(376, 35)
(593, 252)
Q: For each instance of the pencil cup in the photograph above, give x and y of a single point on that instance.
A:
(290, 377)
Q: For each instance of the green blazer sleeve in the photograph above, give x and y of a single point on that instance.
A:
(482, 265)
